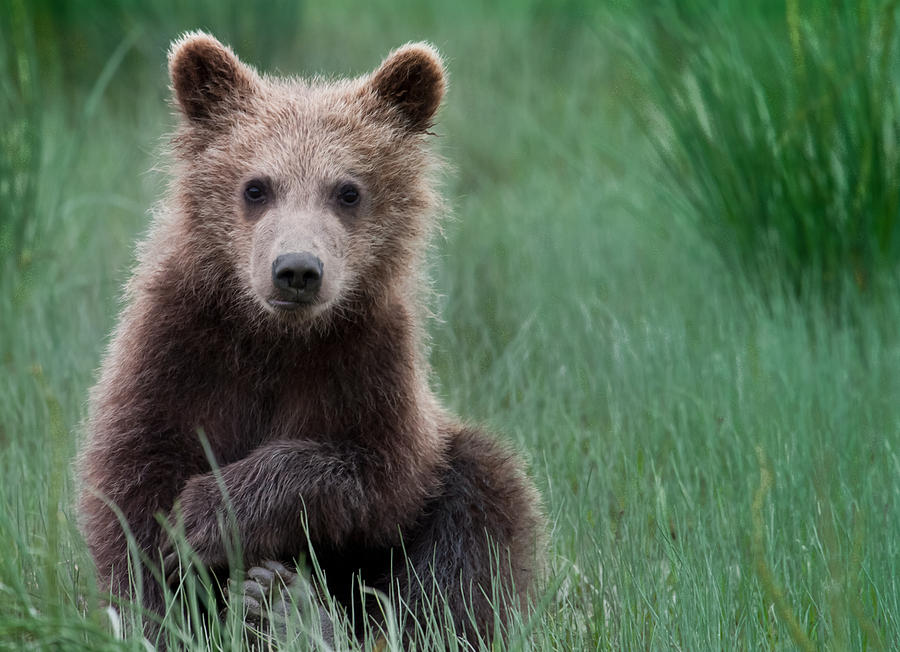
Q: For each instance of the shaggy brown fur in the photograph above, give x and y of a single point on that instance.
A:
(322, 402)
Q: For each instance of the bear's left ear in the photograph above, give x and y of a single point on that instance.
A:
(208, 79)
(412, 81)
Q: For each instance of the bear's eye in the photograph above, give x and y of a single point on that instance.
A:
(255, 192)
(348, 194)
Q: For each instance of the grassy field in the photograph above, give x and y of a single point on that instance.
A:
(717, 440)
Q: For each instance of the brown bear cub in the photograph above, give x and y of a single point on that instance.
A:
(276, 309)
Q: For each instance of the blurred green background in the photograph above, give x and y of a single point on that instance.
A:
(669, 278)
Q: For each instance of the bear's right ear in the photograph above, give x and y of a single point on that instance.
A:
(208, 80)
(412, 81)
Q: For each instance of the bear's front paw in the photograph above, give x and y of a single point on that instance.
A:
(268, 590)
(272, 594)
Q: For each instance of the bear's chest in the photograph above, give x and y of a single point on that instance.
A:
(238, 414)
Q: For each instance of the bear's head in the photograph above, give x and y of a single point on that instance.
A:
(303, 199)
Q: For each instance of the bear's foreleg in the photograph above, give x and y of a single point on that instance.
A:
(285, 489)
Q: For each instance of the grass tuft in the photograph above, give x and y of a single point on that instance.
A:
(780, 135)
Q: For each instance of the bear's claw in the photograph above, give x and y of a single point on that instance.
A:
(269, 591)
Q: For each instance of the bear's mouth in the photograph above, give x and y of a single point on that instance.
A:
(284, 304)
(292, 301)
(289, 305)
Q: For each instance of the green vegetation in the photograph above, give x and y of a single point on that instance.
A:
(782, 136)
(668, 220)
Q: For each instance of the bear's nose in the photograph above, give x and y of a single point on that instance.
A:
(297, 272)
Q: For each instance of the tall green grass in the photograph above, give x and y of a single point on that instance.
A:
(19, 140)
(780, 133)
(718, 454)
